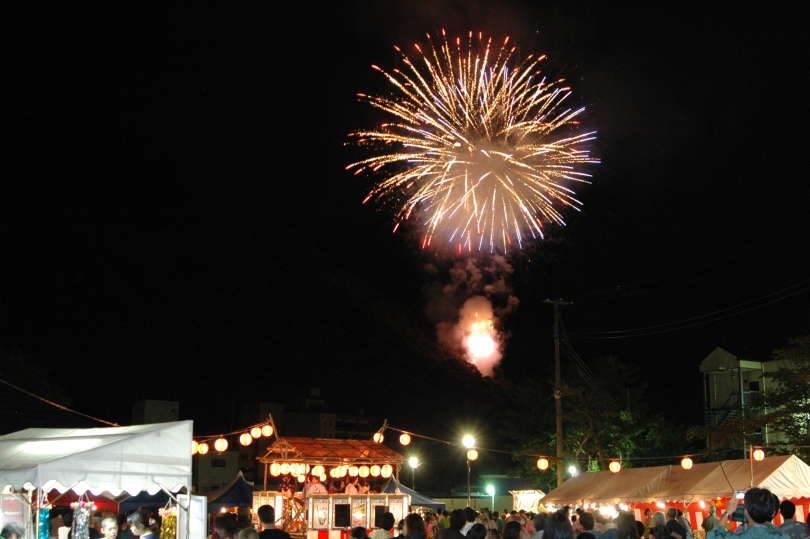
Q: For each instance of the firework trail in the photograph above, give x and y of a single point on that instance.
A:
(476, 149)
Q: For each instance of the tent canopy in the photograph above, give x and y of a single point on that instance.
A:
(237, 493)
(392, 485)
(127, 503)
(786, 476)
(140, 457)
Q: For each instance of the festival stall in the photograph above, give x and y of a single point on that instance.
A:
(331, 516)
(691, 489)
(140, 457)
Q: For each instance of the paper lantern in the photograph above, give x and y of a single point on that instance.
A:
(542, 464)
(194, 447)
(364, 471)
(202, 449)
(246, 439)
(378, 437)
(375, 471)
(686, 463)
(405, 439)
(615, 466)
(759, 454)
(221, 444)
(267, 430)
(275, 469)
(332, 473)
(285, 468)
(353, 471)
(323, 478)
(386, 471)
(302, 478)
(472, 454)
(256, 432)
(317, 470)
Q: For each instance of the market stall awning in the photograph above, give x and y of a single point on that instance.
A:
(237, 493)
(420, 500)
(140, 457)
(786, 476)
(330, 452)
(127, 503)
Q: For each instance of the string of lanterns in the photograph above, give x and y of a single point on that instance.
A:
(615, 466)
(221, 444)
(300, 469)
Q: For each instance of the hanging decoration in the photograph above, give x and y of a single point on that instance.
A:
(168, 527)
(45, 518)
(81, 519)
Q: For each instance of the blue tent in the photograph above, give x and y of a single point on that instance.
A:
(237, 493)
(420, 500)
(127, 503)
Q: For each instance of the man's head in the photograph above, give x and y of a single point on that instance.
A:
(787, 508)
(387, 521)
(760, 505)
(470, 514)
(587, 521)
(12, 531)
(539, 521)
(267, 515)
(647, 512)
(672, 513)
(712, 510)
(457, 519)
(445, 513)
(109, 528)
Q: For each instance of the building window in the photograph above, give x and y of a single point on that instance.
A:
(217, 463)
(753, 386)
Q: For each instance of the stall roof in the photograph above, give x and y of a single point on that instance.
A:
(330, 451)
(237, 493)
(140, 457)
(420, 500)
(786, 476)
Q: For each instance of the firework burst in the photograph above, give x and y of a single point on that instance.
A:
(476, 150)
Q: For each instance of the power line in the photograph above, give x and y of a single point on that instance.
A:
(65, 408)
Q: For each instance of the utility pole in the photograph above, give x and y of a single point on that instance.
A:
(558, 384)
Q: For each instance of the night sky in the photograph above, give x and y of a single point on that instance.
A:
(177, 221)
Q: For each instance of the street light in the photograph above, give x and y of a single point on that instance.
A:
(472, 454)
(414, 463)
(491, 492)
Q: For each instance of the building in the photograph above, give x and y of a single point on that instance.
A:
(729, 385)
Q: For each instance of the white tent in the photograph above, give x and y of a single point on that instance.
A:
(132, 459)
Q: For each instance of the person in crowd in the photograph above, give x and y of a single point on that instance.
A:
(539, 521)
(470, 516)
(414, 527)
(286, 486)
(140, 527)
(558, 526)
(358, 532)
(498, 521)
(267, 519)
(512, 529)
(64, 531)
(588, 522)
(710, 521)
(386, 526)
(457, 520)
(625, 528)
(648, 521)
(123, 530)
(478, 531)
(641, 528)
(659, 528)
(225, 525)
(686, 525)
(249, 533)
(675, 528)
(362, 486)
(794, 529)
(759, 507)
(444, 522)
(600, 526)
(12, 531)
(352, 486)
(109, 528)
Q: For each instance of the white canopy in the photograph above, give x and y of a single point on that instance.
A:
(136, 458)
(786, 476)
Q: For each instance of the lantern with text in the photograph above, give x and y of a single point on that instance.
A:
(256, 432)
(246, 439)
(405, 439)
(353, 471)
(202, 449)
(221, 444)
(375, 471)
(386, 471)
(317, 470)
(275, 469)
(364, 471)
(285, 468)
(267, 430)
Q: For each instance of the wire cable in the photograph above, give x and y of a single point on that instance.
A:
(65, 408)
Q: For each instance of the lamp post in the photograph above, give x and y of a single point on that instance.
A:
(472, 454)
(491, 492)
(414, 464)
